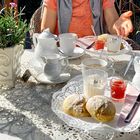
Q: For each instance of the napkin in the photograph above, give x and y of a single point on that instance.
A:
(131, 96)
(84, 42)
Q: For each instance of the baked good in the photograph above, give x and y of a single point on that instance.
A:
(101, 108)
(75, 105)
(103, 37)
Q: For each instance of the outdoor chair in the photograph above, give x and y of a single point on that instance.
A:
(35, 22)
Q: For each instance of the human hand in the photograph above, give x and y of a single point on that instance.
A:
(123, 26)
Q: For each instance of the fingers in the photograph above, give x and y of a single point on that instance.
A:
(123, 26)
(127, 14)
(123, 29)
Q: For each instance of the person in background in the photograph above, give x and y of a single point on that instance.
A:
(29, 7)
(1, 4)
(77, 16)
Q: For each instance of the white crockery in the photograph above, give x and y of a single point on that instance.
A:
(54, 66)
(98, 63)
(44, 44)
(67, 43)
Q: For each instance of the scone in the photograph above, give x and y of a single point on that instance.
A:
(103, 37)
(75, 105)
(101, 108)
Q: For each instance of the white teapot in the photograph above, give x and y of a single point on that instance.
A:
(136, 78)
(45, 43)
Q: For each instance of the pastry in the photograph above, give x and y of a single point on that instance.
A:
(101, 108)
(103, 37)
(75, 105)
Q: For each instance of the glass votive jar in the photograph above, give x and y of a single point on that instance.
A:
(118, 88)
(99, 44)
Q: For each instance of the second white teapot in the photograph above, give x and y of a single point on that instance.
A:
(45, 43)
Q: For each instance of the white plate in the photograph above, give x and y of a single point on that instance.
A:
(88, 40)
(87, 123)
(36, 70)
(78, 52)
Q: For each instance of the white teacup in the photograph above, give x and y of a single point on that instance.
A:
(98, 63)
(54, 66)
(95, 63)
(113, 43)
(67, 43)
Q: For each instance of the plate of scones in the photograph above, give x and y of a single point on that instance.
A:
(99, 111)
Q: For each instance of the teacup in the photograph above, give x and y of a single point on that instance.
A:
(98, 63)
(95, 63)
(67, 43)
(54, 66)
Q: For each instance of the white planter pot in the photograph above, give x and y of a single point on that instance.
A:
(10, 65)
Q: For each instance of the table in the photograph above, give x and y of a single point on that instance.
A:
(25, 111)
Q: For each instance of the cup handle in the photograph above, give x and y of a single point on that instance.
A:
(64, 64)
(35, 36)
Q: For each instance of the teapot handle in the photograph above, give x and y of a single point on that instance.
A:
(35, 39)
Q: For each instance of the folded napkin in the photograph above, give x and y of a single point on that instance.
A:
(131, 96)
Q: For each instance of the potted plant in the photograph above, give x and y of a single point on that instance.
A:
(12, 35)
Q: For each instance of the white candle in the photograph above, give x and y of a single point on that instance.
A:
(94, 85)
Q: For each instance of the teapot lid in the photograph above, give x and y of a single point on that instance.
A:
(47, 34)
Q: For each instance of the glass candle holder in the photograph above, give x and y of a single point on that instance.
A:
(118, 87)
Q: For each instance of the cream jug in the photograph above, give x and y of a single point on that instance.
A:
(45, 43)
(136, 78)
(54, 66)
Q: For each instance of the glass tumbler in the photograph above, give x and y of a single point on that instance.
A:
(94, 80)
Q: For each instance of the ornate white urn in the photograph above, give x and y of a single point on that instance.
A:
(10, 65)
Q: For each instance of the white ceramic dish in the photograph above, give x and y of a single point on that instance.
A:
(36, 70)
(88, 123)
(78, 52)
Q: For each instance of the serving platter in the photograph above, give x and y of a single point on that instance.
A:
(86, 41)
(88, 123)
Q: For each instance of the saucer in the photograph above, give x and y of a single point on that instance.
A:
(42, 78)
(36, 69)
(78, 52)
